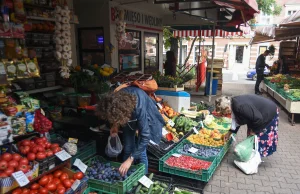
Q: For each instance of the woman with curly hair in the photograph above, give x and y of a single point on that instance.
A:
(133, 111)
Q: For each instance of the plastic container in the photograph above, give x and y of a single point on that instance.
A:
(84, 100)
(214, 85)
(118, 187)
(177, 100)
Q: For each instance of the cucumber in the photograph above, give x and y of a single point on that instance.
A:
(135, 184)
(186, 192)
(137, 191)
(144, 189)
(167, 192)
(177, 192)
(150, 189)
(151, 176)
(164, 185)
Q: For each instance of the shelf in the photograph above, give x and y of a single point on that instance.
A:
(43, 90)
(38, 6)
(41, 18)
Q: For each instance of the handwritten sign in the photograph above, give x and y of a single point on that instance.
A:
(145, 181)
(63, 155)
(21, 178)
(171, 123)
(75, 185)
(193, 150)
(164, 131)
(82, 167)
(176, 155)
(195, 130)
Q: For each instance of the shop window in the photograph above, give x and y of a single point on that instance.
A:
(129, 51)
(151, 52)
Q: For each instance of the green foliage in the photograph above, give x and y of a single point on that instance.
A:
(167, 35)
(269, 7)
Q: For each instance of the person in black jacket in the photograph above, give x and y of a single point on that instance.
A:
(260, 68)
(261, 116)
(170, 64)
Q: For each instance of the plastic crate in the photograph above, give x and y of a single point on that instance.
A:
(98, 191)
(189, 189)
(118, 187)
(48, 163)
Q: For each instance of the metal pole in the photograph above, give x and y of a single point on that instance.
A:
(180, 56)
(212, 62)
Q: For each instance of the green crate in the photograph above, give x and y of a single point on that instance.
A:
(98, 191)
(118, 187)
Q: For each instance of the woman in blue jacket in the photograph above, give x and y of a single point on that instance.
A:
(136, 114)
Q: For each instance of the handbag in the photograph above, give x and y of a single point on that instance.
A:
(251, 166)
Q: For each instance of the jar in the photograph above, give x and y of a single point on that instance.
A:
(84, 100)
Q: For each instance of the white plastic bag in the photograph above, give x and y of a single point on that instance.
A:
(251, 166)
(114, 146)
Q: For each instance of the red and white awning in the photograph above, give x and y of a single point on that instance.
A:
(205, 33)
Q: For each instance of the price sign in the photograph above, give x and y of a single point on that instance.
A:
(63, 155)
(195, 130)
(75, 184)
(82, 167)
(145, 181)
(159, 106)
(171, 123)
(176, 155)
(193, 150)
(21, 178)
(164, 131)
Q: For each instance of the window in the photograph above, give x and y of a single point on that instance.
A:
(291, 12)
(207, 48)
(265, 19)
(184, 53)
(151, 52)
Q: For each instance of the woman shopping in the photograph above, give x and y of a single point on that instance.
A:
(261, 116)
(136, 114)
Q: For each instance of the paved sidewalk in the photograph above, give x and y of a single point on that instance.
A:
(280, 173)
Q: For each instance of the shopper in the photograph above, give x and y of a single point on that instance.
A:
(170, 64)
(261, 116)
(136, 114)
(260, 68)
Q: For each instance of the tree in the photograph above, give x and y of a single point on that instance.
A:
(269, 7)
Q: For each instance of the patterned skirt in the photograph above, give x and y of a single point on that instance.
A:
(268, 138)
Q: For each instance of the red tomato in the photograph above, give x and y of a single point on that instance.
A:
(54, 145)
(40, 148)
(60, 186)
(50, 176)
(57, 173)
(14, 164)
(61, 190)
(56, 181)
(56, 149)
(64, 176)
(34, 192)
(31, 156)
(44, 181)
(2, 175)
(3, 164)
(51, 186)
(42, 145)
(9, 171)
(25, 191)
(48, 145)
(34, 149)
(25, 142)
(16, 157)
(40, 155)
(44, 139)
(17, 191)
(35, 186)
(23, 167)
(67, 183)
(72, 181)
(43, 190)
(7, 157)
(23, 161)
(78, 175)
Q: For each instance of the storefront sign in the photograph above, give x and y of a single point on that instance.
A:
(136, 18)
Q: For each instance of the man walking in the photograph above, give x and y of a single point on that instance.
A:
(260, 68)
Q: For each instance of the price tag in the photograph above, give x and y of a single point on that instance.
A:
(51, 166)
(21, 178)
(159, 106)
(164, 131)
(193, 150)
(75, 184)
(176, 155)
(171, 123)
(63, 155)
(145, 181)
(73, 140)
(195, 130)
(82, 167)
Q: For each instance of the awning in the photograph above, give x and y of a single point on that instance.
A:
(291, 21)
(205, 33)
(263, 34)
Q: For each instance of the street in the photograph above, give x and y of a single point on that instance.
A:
(230, 76)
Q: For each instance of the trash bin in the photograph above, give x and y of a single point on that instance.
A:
(214, 85)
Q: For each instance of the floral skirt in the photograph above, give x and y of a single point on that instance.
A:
(268, 138)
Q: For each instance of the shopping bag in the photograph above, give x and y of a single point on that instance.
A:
(244, 149)
(114, 146)
(251, 166)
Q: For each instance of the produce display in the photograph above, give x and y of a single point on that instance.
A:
(181, 191)
(105, 172)
(188, 163)
(212, 122)
(156, 188)
(207, 137)
(37, 148)
(202, 151)
(166, 109)
(10, 163)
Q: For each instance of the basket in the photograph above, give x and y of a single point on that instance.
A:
(119, 187)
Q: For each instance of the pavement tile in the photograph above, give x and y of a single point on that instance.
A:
(246, 186)
(288, 185)
(254, 181)
(263, 189)
(281, 191)
(237, 180)
(228, 185)
(219, 189)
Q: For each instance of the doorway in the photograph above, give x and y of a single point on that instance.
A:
(151, 52)
(239, 54)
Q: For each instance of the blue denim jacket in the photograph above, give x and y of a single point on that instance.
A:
(149, 120)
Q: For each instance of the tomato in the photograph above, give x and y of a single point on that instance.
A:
(17, 191)
(60, 186)
(50, 176)
(44, 181)
(16, 157)
(23, 161)
(40, 148)
(78, 175)
(54, 145)
(72, 181)
(35, 186)
(34, 149)
(25, 191)
(44, 139)
(48, 145)
(40, 155)
(7, 157)
(39, 141)
(49, 153)
(25, 142)
(23, 167)
(57, 173)
(61, 190)
(34, 192)
(56, 181)
(56, 149)
(67, 183)
(9, 171)
(43, 190)
(3, 175)
(31, 156)
(64, 176)
(3, 164)
(42, 145)
(14, 164)
(51, 186)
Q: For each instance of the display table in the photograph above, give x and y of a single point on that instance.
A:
(293, 107)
